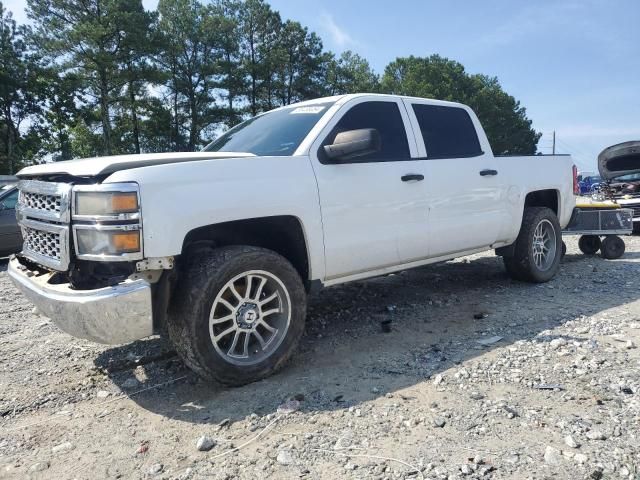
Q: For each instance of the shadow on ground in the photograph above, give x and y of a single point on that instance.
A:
(438, 313)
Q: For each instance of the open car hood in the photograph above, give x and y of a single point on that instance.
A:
(88, 167)
(620, 159)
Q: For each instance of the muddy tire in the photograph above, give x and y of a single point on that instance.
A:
(589, 244)
(612, 247)
(538, 248)
(238, 313)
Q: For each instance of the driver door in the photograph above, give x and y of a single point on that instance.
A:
(374, 210)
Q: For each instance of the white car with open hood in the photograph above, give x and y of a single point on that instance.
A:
(219, 248)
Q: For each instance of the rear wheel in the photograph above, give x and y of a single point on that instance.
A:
(238, 314)
(589, 244)
(612, 247)
(538, 248)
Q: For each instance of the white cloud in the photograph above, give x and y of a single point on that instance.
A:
(338, 35)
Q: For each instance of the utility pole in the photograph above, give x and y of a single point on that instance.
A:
(553, 149)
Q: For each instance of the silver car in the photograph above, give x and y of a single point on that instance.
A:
(10, 237)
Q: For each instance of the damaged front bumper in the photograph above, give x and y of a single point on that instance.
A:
(111, 315)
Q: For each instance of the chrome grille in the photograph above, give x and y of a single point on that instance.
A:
(42, 243)
(44, 200)
(43, 212)
(38, 201)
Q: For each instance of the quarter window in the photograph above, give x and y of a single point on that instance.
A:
(448, 132)
(386, 119)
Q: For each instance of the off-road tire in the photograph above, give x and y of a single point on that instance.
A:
(589, 244)
(521, 265)
(612, 247)
(202, 276)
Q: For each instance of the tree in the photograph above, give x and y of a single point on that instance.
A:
(300, 64)
(503, 118)
(18, 103)
(350, 74)
(88, 38)
(260, 28)
(231, 78)
(135, 70)
(57, 95)
(188, 53)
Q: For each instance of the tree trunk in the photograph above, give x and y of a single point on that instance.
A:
(194, 127)
(134, 117)
(11, 139)
(176, 125)
(9, 142)
(230, 95)
(254, 94)
(104, 107)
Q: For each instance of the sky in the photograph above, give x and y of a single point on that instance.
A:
(574, 64)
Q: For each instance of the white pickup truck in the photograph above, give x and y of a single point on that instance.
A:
(219, 248)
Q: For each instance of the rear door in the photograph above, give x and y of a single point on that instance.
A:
(374, 210)
(463, 184)
(10, 238)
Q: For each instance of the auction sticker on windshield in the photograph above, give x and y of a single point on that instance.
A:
(307, 110)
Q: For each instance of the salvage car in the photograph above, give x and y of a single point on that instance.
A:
(10, 238)
(220, 247)
(619, 166)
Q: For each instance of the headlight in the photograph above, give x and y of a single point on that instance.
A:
(106, 203)
(107, 224)
(107, 242)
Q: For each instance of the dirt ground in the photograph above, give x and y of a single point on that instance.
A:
(479, 377)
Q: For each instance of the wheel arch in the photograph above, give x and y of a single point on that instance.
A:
(549, 198)
(284, 234)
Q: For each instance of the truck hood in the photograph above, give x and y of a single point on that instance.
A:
(620, 159)
(90, 167)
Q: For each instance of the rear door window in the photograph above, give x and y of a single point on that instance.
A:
(384, 117)
(448, 132)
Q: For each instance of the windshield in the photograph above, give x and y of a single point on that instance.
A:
(275, 133)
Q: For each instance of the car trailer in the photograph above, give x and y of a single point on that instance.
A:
(599, 226)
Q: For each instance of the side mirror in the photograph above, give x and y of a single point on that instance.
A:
(353, 143)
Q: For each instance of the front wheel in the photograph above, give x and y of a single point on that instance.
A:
(238, 313)
(538, 248)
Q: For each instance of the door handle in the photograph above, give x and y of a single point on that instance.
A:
(488, 172)
(412, 177)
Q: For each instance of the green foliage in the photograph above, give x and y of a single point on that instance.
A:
(96, 77)
(350, 74)
(503, 118)
(18, 100)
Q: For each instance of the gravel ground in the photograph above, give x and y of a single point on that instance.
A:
(479, 377)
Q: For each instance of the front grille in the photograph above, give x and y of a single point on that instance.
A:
(636, 210)
(43, 212)
(38, 201)
(42, 243)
